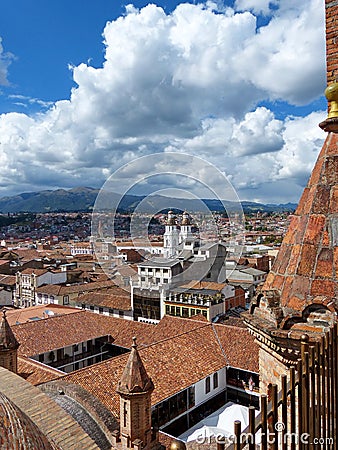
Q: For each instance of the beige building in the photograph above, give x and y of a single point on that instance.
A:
(28, 281)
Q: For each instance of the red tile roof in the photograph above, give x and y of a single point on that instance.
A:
(37, 272)
(57, 289)
(16, 316)
(174, 362)
(60, 331)
(204, 285)
(36, 372)
(8, 280)
(115, 298)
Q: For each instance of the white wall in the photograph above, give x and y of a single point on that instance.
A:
(201, 396)
(6, 297)
(52, 278)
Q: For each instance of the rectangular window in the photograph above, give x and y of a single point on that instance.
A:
(191, 396)
(177, 311)
(66, 299)
(215, 380)
(207, 385)
(125, 414)
(100, 310)
(185, 312)
(167, 309)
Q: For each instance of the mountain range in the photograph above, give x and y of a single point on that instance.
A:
(83, 199)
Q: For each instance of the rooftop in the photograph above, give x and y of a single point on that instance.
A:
(115, 298)
(17, 316)
(207, 348)
(160, 262)
(60, 331)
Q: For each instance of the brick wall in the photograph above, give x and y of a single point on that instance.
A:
(332, 39)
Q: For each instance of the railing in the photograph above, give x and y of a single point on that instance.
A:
(303, 414)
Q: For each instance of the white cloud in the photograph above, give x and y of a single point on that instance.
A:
(5, 60)
(188, 81)
(25, 101)
(257, 6)
(287, 57)
(260, 151)
(258, 133)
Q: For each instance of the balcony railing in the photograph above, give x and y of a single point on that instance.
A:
(303, 414)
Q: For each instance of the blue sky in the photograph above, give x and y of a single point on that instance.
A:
(46, 36)
(87, 86)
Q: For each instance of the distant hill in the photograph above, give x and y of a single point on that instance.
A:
(83, 199)
(77, 199)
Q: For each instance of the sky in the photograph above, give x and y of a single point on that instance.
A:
(86, 87)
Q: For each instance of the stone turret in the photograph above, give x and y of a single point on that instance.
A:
(135, 388)
(8, 345)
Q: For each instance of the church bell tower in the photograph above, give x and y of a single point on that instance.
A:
(171, 236)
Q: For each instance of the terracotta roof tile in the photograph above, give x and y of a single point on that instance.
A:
(36, 372)
(204, 285)
(17, 316)
(8, 280)
(115, 298)
(170, 368)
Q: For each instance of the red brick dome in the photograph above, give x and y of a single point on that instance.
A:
(18, 431)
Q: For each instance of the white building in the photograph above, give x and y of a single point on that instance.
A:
(29, 280)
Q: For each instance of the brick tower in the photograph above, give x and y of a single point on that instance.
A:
(300, 294)
(8, 346)
(135, 388)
